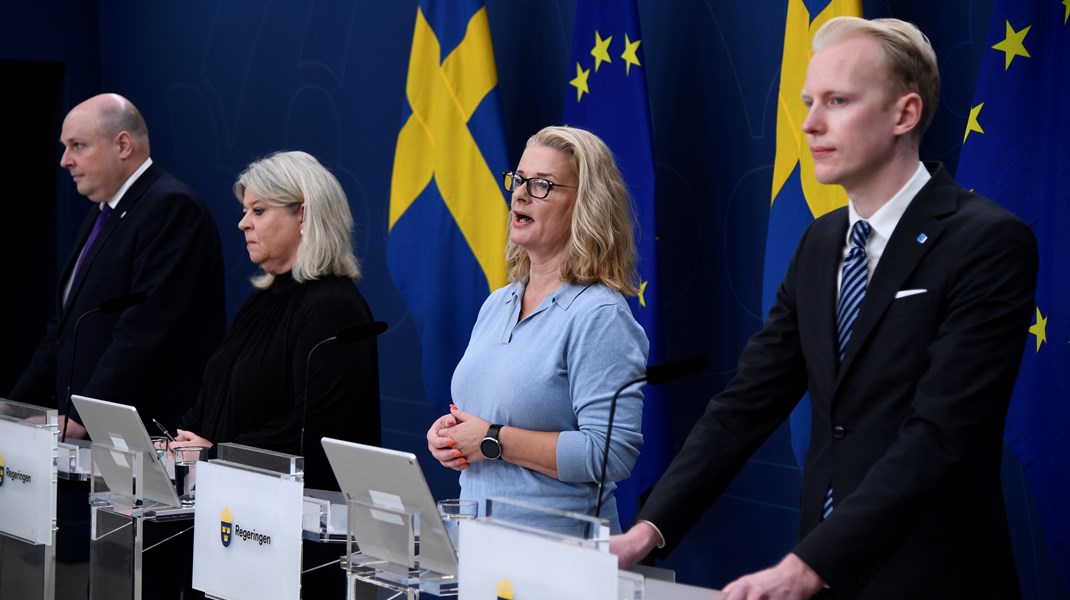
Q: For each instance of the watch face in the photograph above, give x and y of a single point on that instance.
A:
(490, 448)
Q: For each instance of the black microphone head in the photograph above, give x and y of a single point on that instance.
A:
(360, 332)
(120, 303)
(675, 369)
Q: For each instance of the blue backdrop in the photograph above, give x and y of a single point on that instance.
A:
(224, 82)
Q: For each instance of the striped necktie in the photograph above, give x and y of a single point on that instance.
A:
(853, 285)
(852, 291)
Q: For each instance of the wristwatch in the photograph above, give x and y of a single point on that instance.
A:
(491, 447)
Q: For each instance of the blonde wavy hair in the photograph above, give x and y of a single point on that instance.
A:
(908, 56)
(293, 179)
(601, 245)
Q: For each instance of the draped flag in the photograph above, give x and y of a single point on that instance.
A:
(1015, 150)
(798, 198)
(446, 243)
(607, 96)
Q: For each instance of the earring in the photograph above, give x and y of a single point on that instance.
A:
(302, 231)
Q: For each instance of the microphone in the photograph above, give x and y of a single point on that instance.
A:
(348, 335)
(655, 375)
(357, 333)
(107, 307)
(675, 369)
(114, 305)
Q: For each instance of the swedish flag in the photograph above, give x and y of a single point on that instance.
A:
(607, 96)
(798, 198)
(446, 243)
(1015, 150)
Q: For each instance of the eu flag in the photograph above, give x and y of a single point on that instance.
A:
(446, 243)
(798, 198)
(607, 96)
(1015, 150)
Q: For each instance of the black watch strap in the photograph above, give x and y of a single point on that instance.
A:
(491, 447)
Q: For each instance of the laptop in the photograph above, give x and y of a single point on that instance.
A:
(393, 482)
(120, 426)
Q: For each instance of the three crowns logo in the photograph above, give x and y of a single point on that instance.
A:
(226, 527)
(505, 590)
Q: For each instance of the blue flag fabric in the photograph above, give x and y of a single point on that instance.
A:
(607, 96)
(1015, 151)
(798, 198)
(448, 211)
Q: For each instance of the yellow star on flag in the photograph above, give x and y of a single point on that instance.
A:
(580, 82)
(629, 56)
(642, 289)
(972, 124)
(1040, 329)
(600, 52)
(1066, 15)
(1013, 45)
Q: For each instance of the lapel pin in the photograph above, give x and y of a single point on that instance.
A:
(922, 237)
(123, 216)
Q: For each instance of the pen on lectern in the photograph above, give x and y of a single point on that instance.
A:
(163, 430)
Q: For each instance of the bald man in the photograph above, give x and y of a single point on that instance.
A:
(145, 231)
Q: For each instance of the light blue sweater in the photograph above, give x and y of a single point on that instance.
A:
(555, 371)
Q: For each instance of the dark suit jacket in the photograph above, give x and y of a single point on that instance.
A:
(908, 430)
(160, 240)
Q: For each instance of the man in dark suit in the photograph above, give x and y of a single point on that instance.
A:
(908, 344)
(146, 232)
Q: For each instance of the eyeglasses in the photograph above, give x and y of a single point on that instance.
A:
(537, 186)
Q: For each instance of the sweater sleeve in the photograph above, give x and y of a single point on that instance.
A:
(606, 348)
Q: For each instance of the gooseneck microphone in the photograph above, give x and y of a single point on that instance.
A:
(655, 375)
(348, 335)
(675, 369)
(105, 308)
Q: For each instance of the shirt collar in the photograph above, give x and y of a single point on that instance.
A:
(562, 297)
(129, 182)
(887, 217)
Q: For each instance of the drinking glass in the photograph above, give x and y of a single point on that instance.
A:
(186, 459)
(453, 511)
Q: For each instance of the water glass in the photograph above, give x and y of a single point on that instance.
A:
(453, 511)
(161, 444)
(186, 459)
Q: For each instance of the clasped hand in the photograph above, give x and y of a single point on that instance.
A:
(188, 438)
(454, 438)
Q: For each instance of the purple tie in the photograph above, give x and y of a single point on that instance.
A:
(97, 226)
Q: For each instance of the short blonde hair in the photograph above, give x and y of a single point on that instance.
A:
(909, 58)
(294, 179)
(601, 245)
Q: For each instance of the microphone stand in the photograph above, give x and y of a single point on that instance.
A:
(655, 374)
(609, 435)
(304, 406)
(70, 372)
(348, 335)
(107, 307)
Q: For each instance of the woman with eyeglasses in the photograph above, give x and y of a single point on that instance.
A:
(532, 393)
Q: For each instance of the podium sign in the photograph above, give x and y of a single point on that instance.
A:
(28, 476)
(247, 533)
(493, 558)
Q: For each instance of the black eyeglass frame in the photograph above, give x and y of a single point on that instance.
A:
(510, 180)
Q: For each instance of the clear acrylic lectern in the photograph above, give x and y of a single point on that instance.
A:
(27, 501)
